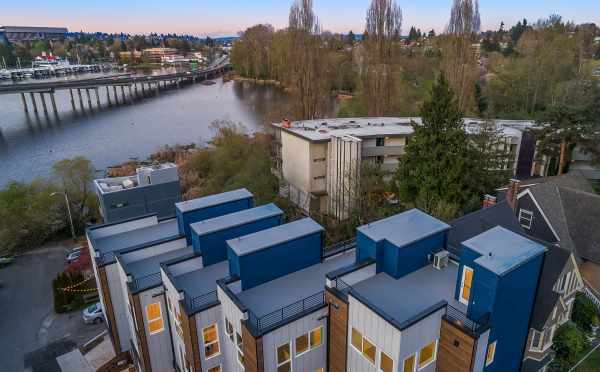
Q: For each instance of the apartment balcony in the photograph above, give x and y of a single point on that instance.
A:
(383, 151)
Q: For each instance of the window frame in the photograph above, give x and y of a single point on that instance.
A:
(159, 317)
(527, 216)
(374, 362)
(381, 354)
(492, 347)
(217, 341)
(461, 299)
(310, 345)
(297, 354)
(414, 358)
(212, 369)
(433, 356)
(229, 326)
(238, 348)
(361, 338)
(289, 360)
(536, 347)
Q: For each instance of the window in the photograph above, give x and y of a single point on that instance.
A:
(240, 350)
(491, 352)
(319, 178)
(465, 286)
(409, 364)
(386, 364)
(356, 340)
(380, 142)
(239, 340)
(284, 358)
(155, 320)
(215, 369)
(427, 355)
(316, 338)
(119, 205)
(319, 370)
(319, 160)
(536, 340)
(210, 336)
(229, 329)
(301, 344)
(548, 336)
(525, 218)
(369, 351)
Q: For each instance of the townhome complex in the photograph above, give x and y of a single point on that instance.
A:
(229, 286)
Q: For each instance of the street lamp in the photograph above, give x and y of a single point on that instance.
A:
(68, 210)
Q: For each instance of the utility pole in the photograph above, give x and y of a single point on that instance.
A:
(68, 211)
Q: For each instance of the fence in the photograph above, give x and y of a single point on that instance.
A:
(340, 247)
(198, 302)
(458, 317)
(590, 294)
(147, 281)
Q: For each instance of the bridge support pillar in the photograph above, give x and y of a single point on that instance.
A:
(143, 90)
(177, 83)
(24, 102)
(123, 93)
(97, 97)
(80, 99)
(53, 101)
(44, 103)
(115, 94)
(108, 96)
(33, 101)
(130, 94)
(72, 100)
(157, 87)
(89, 99)
(135, 87)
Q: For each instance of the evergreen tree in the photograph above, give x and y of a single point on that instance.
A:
(351, 37)
(412, 35)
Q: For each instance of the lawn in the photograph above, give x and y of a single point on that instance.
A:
(591, 364)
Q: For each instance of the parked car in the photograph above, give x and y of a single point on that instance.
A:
(73, 250)
(72, 257)
(6, 260)
(93, 314)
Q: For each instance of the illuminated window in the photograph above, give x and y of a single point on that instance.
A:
(409, 364)
(491, 352)
(155, 320)
(316, 338)
(369, 351)
(210, 336)
(240, 350)
(357, 340)
(427, 355)
(386, 364)
(319, 370)
(465, 286)
(229, 329)
(284, 358)
(301, 344)
(215, 369)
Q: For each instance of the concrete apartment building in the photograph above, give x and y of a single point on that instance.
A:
(153, 189)
(320, 160)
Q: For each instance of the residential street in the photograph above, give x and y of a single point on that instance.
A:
(28, 321)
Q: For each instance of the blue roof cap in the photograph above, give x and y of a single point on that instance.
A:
(404, 228)
(235, 219)
(274, 236)
(212, 200)
(503, 250)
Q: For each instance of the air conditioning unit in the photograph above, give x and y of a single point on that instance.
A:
(440, 259)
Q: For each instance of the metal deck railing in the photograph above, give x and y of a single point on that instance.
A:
(147, 281)
(460, 318)
(198, 302)
(340, 247)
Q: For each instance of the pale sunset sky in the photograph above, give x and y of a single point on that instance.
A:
(226, 18)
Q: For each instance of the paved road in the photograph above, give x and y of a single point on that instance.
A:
(27, 318)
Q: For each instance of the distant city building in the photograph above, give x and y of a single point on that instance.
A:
(18, 33)
(156, 55)
(154, 189)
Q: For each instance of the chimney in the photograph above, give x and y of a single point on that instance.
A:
(489, 201)
(286, 123)
(512, 192)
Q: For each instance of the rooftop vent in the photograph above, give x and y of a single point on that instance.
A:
(440, 260)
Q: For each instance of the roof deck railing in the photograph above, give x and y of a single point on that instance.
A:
(147, 281)
(340, 247)
(269, 321)
(196, 303)
(476, 327)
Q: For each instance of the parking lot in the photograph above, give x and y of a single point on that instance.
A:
(31, 331)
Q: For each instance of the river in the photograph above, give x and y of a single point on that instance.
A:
(30, 143)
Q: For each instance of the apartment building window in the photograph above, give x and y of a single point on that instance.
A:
(491, 353)
(309, 341)
(427, 355)
(319, 178)
(155, 320)
(284, 358)
(215, 369)
(301, 344)
(319, 369)
(364, 346)
(229, 329)
(316, 338)
(465, 285)
(239, 346)
(386, 364)
(379, 142)
(319, 160)
(409, 364)
(210, 336)
(525, 218)
(548, 336)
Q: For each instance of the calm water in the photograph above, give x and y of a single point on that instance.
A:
(30, 144)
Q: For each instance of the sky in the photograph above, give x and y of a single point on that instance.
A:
(227, 17)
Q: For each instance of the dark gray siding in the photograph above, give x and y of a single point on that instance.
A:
(539, 227)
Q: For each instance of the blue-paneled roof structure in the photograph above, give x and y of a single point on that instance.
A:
(235, 219)
(213, 200)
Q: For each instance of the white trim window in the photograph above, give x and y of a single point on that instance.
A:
(240, 351)
(215, 369)
(427, 355)
(525, 218)
(210, 337)
(309, 341)
(229, 330)
(363, 346)
(386, 364)
(155, 319)
(410, 363)
(284, 357)
(466, 284)
(536, 341)
(491, 353)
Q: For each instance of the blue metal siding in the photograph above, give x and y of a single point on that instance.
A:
(365, 247)
(213, 247)
(276, 261)
(400, 261)
(185, 219)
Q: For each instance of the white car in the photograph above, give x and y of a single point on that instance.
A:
(93, 314)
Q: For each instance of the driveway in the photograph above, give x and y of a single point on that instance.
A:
(28, 321)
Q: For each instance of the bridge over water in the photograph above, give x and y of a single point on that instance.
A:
(137, 86)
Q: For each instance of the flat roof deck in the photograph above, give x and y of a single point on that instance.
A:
(406, 299)
(112, 243)
(235, 219)
(201, 281)
(284, 291)
(151, 265)
(212, 200)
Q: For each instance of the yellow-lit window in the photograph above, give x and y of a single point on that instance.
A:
(466, 283)
(409, 364)
(215, 369)
(491, 352)
(386, 364)
(319, 370)
(284, 358)
(357, 340)
(155, 320)
(369, 350)
(302, 344)
(427, 355)
(210, 336)
(316, 338)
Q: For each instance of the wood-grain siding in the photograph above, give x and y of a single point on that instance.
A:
(338, 332)
(134, 300)
(456, 349)
(190, 339)
(253, 351)
(109, 310)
